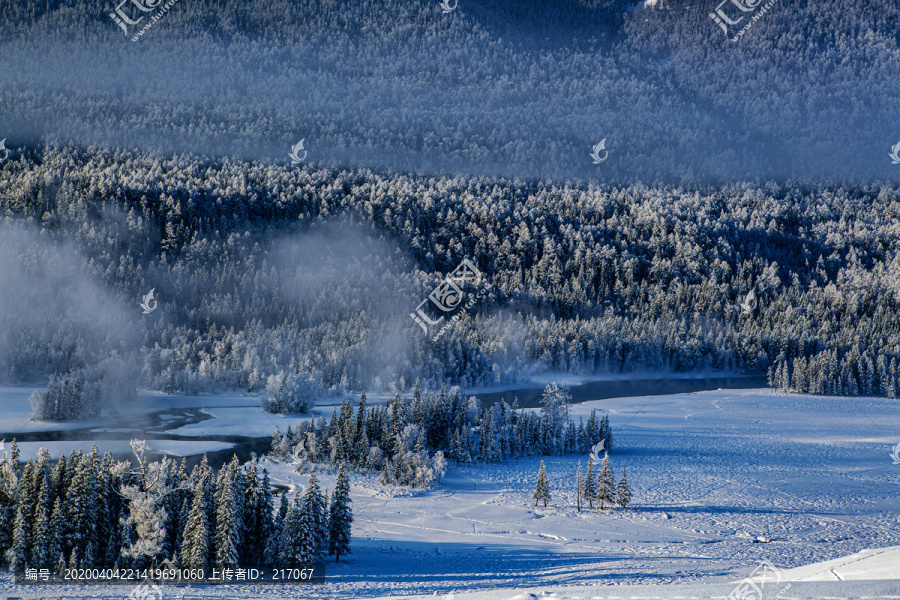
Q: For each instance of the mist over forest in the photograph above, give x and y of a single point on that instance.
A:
(758, 165)
(500, 88)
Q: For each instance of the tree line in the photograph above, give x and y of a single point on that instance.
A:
(590, 488)
(410, 440)
(89, 511)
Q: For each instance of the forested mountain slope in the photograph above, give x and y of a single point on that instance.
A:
(261, 269)
(514, 88)
(759, 165)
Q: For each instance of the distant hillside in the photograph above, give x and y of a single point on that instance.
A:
(513, 88)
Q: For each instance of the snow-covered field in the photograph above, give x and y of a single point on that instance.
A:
(711, 472)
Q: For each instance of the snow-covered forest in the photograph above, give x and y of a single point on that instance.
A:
(88, 510)
(220, 217)
(409, 441)
(300, 279)
(263, 270)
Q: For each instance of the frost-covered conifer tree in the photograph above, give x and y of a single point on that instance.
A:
(590, 484)
(40, 535)
(228, 529)
(623, 492)
(17, 555)
(273, 549)
(579, 485)
(340, 517)
(606, 483)
(313, 523)
(195, 547)
(57, 530)
(542, 490)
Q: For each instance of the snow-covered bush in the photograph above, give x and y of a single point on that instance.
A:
(289, 394)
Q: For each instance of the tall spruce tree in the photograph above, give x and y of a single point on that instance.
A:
(196, 542)
(542, 490)
(590, 484)
(579, 487)
(340, 517)
(40, 533)
(606, 483)
(227, 538)
(57, 531)
(18, 553)
(623, 493)
(313, 523)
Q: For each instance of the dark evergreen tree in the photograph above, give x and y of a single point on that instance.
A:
(340, 517)
(623, 492)
(590, 484)
(606, 483)
(195, 545)
(542, 490)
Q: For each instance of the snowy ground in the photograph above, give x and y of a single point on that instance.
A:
(711, 471)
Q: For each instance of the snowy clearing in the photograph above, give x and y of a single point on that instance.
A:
(711, 471)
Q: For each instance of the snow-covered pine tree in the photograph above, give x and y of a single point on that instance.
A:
(80, 505)
(289, 545)
(607, 433)
(272, 551)
(361, 442)
(553, 409)
(195, 545)
(17, 555)
(623, 493)
(340, 517)
(542, 490)
(227, 537)
(276, 441)
(57, 531)
(396, 447)
(593, 428)
(313, 523)
(590, 484)
(40, 533)
(256, 530)
(606, 483)
(579, 485)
